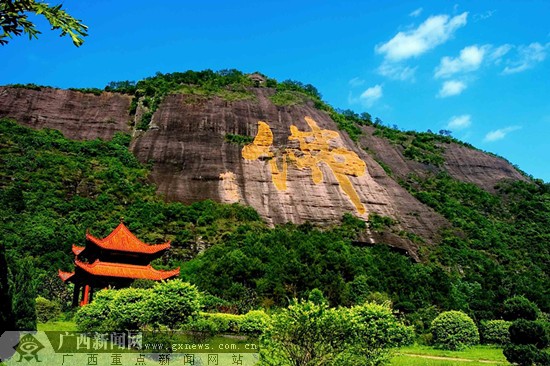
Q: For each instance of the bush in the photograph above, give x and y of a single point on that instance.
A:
(528, 332)
(454, 330)
(528, 336)
(94, 316)
(129, 310)
(169, 303)
(173, 303)
(519, 307)
(526, 355)
(224, 323)
(254, 322)
(422, 320)
(309, 333)
(46, 309)
(203, 324)
(213, 303)
(495, 331)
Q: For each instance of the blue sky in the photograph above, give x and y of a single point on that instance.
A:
(478, 68)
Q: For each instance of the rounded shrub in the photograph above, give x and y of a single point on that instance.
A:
(454, 330)
(519, 307)
(529, 332)
(495, 331)
(254, 322)
(95, 316)
(526, 355)
(173, 303)
(46, 309)
(129, 310)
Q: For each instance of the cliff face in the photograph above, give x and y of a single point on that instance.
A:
(462, 163)
(298, 168)
(77, 115)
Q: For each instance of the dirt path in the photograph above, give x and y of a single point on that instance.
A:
(449, 358)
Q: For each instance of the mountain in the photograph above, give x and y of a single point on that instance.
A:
(276, 147)
(193, 160)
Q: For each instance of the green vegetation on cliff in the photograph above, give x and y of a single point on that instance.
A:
(499, 241)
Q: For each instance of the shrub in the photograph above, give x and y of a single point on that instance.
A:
(203, 324)
(238, 139)
(519, 307)
(316, 296)
(495, 331)
(309, 333)
(454, 330)
(422, 320)
(94, 316)
(212, 303)
(528, 336)
(129, 310)
(254, 322)
(173, 303)
(528, 332)
(224, 323)
(526, 355)
(46, 309)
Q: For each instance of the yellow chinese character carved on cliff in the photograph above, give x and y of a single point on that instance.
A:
(314, 149)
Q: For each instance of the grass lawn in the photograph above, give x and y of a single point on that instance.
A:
(427, 356)
(57, 326)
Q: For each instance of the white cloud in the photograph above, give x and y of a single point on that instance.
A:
(416, 12)
(529, 56)
(451, 87)
(432, 32)
(500, 133)
(483, 16)
(355, 82)
(371, 95)
(496, 54)
(470, 59)
(459, 122)
(396, 71)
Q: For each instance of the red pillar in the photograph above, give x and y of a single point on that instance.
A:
(86, 296)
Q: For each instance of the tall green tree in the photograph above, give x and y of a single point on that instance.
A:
(6, 312)
(14, 20)
(24, 295)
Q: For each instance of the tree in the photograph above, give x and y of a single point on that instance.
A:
(7, 320)
(14, 20)
(24, 295)
(6, 313)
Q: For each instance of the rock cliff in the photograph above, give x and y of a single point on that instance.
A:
(77, 115)
(297, 166)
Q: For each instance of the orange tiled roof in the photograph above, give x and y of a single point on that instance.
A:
(108, 269)
(64, 275)
(77, 250)
(122, 239)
